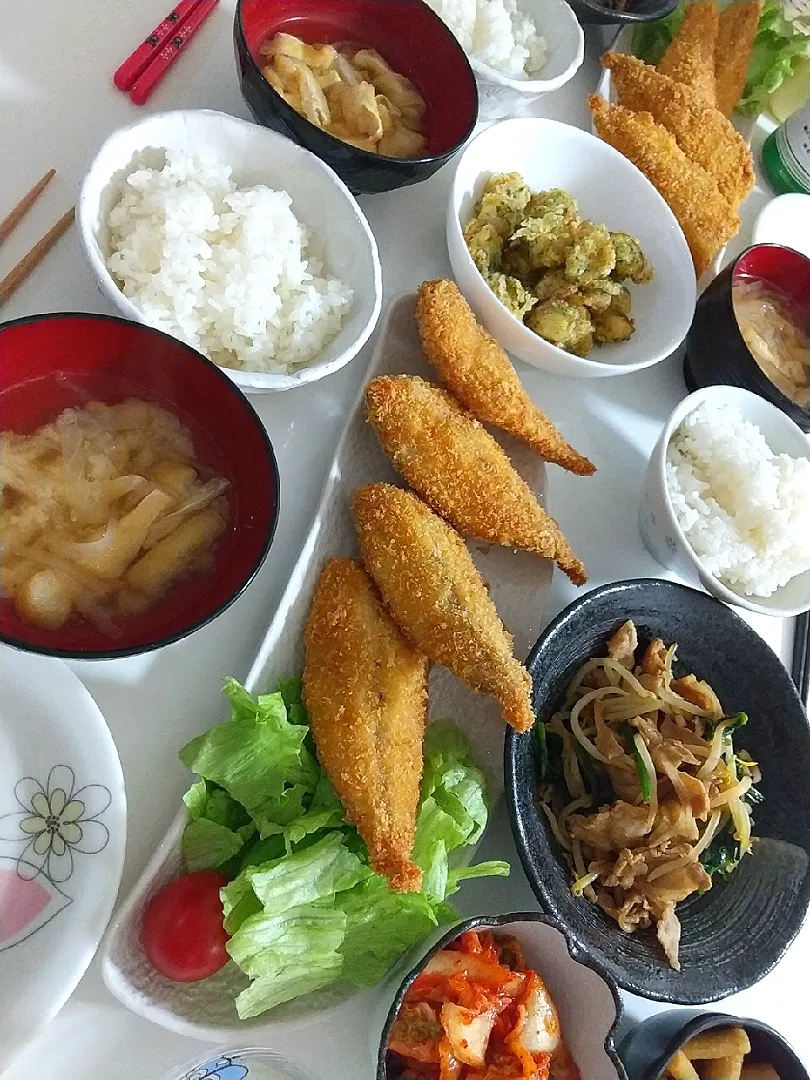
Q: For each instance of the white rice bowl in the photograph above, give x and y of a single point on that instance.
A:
(744, 510)
(497, 33)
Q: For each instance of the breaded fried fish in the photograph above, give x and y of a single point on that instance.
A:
(706, 136)
(707, 220)
(689, 58)
(436, 595)
(460, 470)
(365, 687)
(737, 31)
(478, 372)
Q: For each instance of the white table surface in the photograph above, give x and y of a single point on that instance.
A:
(57, 105)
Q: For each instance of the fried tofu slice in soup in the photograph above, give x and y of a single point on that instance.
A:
(479, 374)
(365, 687)
(460, 470)
(436, 595)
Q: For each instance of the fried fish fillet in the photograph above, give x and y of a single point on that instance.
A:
(689, 59)
(737, 31)
(365, 687)
(706, 136)
(707, 220)
(460, 470)
(436, 595)
(480, 375)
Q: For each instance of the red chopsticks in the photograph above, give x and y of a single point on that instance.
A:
(143, 69)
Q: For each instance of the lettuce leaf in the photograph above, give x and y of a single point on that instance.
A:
(778, 48)
(303, 906)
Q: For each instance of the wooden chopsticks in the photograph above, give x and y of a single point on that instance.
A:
(29, 262)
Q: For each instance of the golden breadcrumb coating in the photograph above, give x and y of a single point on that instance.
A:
(480, 375)
(706, 136)
(739, 23)
(707, 220)
(460, 470)
(365, 688)
(434, 592)
(689, 59)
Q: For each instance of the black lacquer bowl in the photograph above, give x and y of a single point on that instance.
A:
(648, 1046)
(734, 933)
(635, 11)
(414, 41)
(577, 983)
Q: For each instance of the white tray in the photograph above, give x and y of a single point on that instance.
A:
(746, 126)
(519, 583)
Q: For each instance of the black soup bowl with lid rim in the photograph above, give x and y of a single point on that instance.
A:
(736, 931)
(409, 36)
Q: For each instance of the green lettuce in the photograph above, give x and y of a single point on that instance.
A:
(303, 907)
(779, 46)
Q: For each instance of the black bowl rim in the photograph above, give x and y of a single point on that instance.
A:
(533, 876)
(694, 1024)
(252, 416)
(624, 18)
(366, 157)
(478, 922)
(779, 399)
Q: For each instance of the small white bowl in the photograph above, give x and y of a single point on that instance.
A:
(785, 220)
(339, 233)
(502, 95)
(609, 190)
(663, 536)
(586, 997)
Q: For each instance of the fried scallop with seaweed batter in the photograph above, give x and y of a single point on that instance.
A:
(563, 323)
(480, 375)
(512, 293)
(591, 255)
(457, 467)
(436, 595)
(631, 262)
(502, 204)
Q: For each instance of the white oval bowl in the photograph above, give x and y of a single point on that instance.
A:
(500, 94)
(609, 190)
(660, 530)
(340, 236)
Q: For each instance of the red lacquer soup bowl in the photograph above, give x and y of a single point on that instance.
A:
(49, 363)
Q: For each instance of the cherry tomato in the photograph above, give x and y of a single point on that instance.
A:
(183, 935)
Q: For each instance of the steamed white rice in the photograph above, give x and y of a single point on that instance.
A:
(224, 269)
(497, 33)
(744, 510)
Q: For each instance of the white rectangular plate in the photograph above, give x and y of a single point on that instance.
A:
(519, 583)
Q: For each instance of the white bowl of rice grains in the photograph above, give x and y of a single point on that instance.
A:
(235, 240)
(518, 49)
(726, 501)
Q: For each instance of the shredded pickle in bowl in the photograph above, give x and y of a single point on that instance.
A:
(775, 331)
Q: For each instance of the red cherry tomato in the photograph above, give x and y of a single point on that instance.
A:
(183, 935)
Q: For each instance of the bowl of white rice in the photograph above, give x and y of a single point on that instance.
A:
(235, 240)
(726, 501)
(518, 49)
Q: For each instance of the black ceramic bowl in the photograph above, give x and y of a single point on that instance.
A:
(586, 998)
(716, 352)
(413, 40)
(735, 932)
(648, 1046)
(635, 11)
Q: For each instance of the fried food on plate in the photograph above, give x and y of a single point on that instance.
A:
(436, 595)
(478, 372)
(738, 27)
(460, 470)
(689, 59)
(365, 687)
(706, 136)
(707, 220)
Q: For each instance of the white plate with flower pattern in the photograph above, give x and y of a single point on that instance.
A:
(62, 838)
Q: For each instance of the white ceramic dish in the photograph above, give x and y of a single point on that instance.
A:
(785, 220)
(609, 190)
(340, 235)
(62, 838)
(577, 988)
(659, 526)
(502, 95)
(518, 582)
(623, 43)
